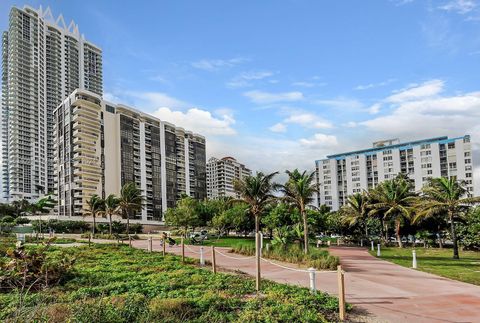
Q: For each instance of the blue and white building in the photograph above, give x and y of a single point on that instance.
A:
(344, 174)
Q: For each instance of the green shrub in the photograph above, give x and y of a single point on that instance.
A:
(316, 258)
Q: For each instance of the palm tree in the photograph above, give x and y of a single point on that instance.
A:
(392, 199)
(96, 205)
(43, 205)
(256, 192)
(447, 197)
(356, 210)
(300, 190)
(130, 201)
(111, 208)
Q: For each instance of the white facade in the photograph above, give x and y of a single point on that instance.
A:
(43, 61)
(221, 176)
(100, 146)
(342, 175)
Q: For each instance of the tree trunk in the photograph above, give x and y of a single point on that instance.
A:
(454, 236)
(305, 230)
(128, 222)
(110, 224)
(94, 225)
(440, 241)
(257, 252)
(397, 233)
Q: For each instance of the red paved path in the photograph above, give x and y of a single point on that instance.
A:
(389, 292)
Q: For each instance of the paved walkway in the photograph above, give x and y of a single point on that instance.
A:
(388, 292)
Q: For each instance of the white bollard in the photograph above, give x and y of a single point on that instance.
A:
(202, 259)
(414, 259)
(361, 242)
(378, 250)
(313, 287)
(328, 243)
(373, 248)
(150, 247)
(267, 247)
(318, 243)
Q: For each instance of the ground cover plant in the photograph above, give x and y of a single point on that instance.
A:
(113, 283)
(293, 253)
(438, 262)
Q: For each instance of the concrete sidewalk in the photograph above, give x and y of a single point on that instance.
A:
(388, 292)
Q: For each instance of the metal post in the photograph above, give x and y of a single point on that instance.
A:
(378, 250)
(214, 262)
(183, 251)
(414, 260)
(373, 248)
(150, 247)
(341, 293)
(129, 240)
(202, 260)
(313, 287)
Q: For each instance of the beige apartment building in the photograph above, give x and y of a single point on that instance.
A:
(221, 176)
(100, 146)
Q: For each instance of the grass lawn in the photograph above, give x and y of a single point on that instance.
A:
(120, 284)
(438, 262)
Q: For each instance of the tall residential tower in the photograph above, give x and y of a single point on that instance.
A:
(100, 146)
(43, 61)
(344, 174)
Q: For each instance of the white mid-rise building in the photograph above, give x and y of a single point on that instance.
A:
(221, 176)
(101, 146)
(341, 175)
(43, 61)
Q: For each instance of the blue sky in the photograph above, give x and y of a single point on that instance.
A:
(278, 84)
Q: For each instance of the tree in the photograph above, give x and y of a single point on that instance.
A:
(447, 197)
(95, 206)
(256, 191)
(130, 201)
(43, 205)
(279, 215)
(356, 210)
(392, 200)
(300, 190)
(20, 207)
(111, 208)
(184, 215)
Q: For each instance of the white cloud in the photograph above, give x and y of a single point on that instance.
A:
(261, 97)
(459, 6)
(319, 140)
(149, 100)
(244, 79)
(350, 124)
(374, 85)
(308, 120)
(198, 120)
(417, 91)
(374, 109)
(278, 127)
(308, 84)
(340, 103)
(216, 64)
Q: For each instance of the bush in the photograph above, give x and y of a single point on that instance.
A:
(316, 258)
(33, 269)
(61, 226)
